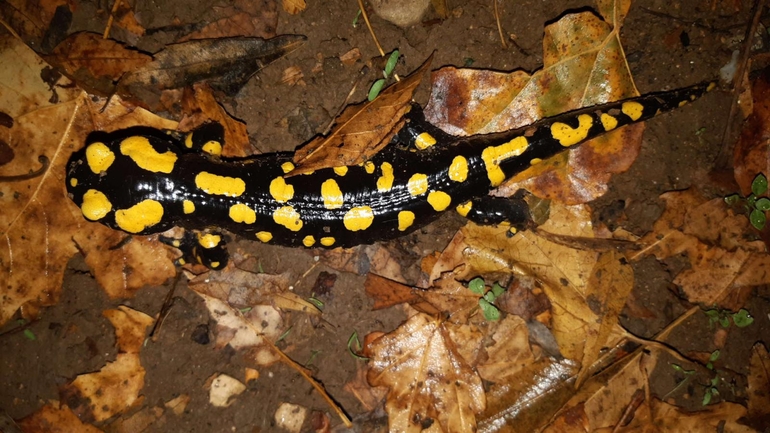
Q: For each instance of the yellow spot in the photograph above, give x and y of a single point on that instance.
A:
(176, 243)
(214, 265)
(212, 147)
(264, 236)
(220, 185)
(280, 190)
(494, 155)
(241, 213)
(308, 241)
(145, 156)
(424, 141)
(567, 135)
(464, 208)
(95, 205)
(693, 97)
(331, 194)
(188, 207)
(405, 219)
(181, 261)
(417, 184)
(288, 217)
(385, 182)
(287, 167)
(609, 122)
(188, 140)
(140, 216)
(439, 200)
(358, 218)
(73, 182)
(682, 103)
(632, 109)
(369, 167)
(535, 161)
(327, 241)
(341, 170)
(458, 170)
(209, 240)
(99, 157)
(711, 86)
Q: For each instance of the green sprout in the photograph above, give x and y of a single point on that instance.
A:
(487, 298)
(754, 204)
(741, 319)
(355, 347)
(711, 388)
(389, 67)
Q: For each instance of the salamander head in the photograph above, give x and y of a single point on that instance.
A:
(122, 179)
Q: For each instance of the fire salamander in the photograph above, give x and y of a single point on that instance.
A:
(143, 180)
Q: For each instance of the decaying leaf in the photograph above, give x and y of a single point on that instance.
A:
(290, 417)
(428, 380)
(243, 289)
(758, 415)
(669, 418)
(509, 353)
(200, 106)
(751, 155)
(94, 63)
(226, 64)
(54, 414)
(116, 387)
(576, 47)
(32, 19)
(361, 130)
(241, 18)
(294, 6)
(714, 240)
(223, 389)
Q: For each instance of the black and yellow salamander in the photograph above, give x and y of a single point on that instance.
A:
(143, 180)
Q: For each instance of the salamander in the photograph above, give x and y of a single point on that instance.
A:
(142, 180)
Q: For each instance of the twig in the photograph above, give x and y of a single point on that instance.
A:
(168, 302)
(107, 28)
(499, 26)
(657, 340)
(722, 158)
(371, 31)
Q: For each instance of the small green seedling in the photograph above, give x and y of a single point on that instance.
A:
(355, 20)
(741, 319)
(711, 388)
(389, 67)
(488, 297)
(754, 204)
(355, 347)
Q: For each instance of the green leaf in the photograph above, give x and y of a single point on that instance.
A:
(477, 286)
(468, 61)
(714, 382)
(763, 204)
(317, 302)
(497, 290)
(30, 335)
(392, 62)
(707, 397)
(490, 312)
(376, 89)
(353, 341)
(758, 219)
(714, 355)
(724, 321)
(732, 199)
(759, 185)
(712, 314)
(742, 318)
(489, 297)
(355, 20)
(679, 368)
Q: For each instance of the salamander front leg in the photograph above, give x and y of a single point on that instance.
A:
(489, 210)
(207, 249)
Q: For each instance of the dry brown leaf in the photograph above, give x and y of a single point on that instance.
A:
(54, 418)
(665, 417)
(751, 155)
(32, 19)
(200, 106)
(294, 7)
(714, 240)
(244, 289)
(351, 57)
(361, 130)
(369, 396)
(250, 18)
(387, 293)
(293, 76)
(223, 389)
(509, 353)
(465, 102)
(95, 63)
(428, 381)
(254, 330)
(758, 415)
(116, 387)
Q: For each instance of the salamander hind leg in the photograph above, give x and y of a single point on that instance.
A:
(205, 248)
